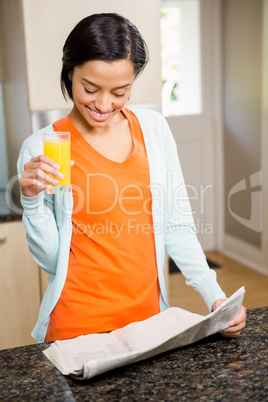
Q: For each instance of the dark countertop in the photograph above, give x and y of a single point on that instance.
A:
(10, 208)
(11, 217)
(214, 369)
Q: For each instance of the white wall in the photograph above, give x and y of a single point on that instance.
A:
(242, 108)
(245, 94)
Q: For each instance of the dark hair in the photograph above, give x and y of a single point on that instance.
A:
(108, 37)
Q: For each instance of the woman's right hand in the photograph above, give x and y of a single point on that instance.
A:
(35, 177)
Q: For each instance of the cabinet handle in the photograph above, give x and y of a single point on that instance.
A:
(3, 240)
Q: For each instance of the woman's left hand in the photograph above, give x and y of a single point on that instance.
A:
(236, 325)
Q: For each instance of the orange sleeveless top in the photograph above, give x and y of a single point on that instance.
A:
(112, 274)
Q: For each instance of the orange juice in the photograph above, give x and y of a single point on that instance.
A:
(57, 147)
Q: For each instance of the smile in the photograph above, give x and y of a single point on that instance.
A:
(99, 116)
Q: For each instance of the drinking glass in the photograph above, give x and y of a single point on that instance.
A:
(57, 147)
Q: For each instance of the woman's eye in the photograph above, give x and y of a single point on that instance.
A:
(92, 92)
(89, 92)
(118, 95)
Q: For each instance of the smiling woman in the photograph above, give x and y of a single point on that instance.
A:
(105, 252)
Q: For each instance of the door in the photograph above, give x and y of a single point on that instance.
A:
(191, 111)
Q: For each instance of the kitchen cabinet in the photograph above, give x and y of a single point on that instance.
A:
(19, 287)
(41, 28)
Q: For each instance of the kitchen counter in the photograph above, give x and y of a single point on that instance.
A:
(10, 208)
(214, 369)
(10, 217)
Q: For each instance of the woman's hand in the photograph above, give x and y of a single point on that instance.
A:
(35, 176)
(236, 325)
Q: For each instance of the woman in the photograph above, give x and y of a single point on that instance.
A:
(103, 244)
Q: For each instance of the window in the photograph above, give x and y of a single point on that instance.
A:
(180, 55)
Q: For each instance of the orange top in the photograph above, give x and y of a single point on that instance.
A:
(112, 274)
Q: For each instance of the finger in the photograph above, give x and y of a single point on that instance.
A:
(235, 328)
(44, 163)
(230, 334)
(41, 176)
(241, 318)
(37, 167)
(32, 182)
(233, 331)
(31, 187)
(45, 159)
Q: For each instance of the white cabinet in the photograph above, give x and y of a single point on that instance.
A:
(46, 25)
(19, 287)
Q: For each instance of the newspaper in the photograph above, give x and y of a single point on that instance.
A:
(89, 355)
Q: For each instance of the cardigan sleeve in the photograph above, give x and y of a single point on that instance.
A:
(38, 216)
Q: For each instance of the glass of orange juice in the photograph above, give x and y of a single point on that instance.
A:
(57, 147)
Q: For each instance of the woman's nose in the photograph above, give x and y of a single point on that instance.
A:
(103, 103)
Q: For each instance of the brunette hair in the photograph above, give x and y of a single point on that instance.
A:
(108, 37)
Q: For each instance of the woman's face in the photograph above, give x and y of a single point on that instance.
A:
(101, 89)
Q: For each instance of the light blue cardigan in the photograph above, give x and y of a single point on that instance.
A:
(47, 220)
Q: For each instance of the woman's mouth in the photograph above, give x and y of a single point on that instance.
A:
(98, 116)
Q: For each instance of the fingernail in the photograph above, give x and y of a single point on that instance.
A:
(48, 189)
(232, 323)
(61, 176)
(56, 166)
